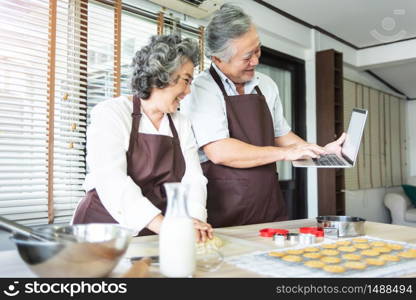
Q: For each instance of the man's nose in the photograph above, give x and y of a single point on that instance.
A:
(254, 61)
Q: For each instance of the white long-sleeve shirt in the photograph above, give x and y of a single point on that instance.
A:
(107, 143)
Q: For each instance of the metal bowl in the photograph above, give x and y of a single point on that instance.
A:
(89, 250)
(341, 226)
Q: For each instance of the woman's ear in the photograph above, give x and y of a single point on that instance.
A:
(216, 60)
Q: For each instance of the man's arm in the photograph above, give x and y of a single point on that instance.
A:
(288, 139)
(237, 154)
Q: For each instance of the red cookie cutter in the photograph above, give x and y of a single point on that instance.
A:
(317, 231)
(270, 232)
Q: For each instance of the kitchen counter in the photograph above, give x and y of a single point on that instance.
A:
(238, 240)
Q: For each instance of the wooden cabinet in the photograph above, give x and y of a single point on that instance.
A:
(329, 115)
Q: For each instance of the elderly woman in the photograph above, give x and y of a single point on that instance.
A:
(137, 143)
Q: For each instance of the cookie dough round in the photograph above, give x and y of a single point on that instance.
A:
(277, 254)
(395, 246)
(294, 251)
(356, 265)
(330, 252)
(407, 254)
(389, 257)
(215, 243)
(375, 262)
(343, 243)
(330, 260)
(370, 253)
(347, 249)
(316, 264)
(292, 258)
(382, 249)
(312, 255)
(377, 244)
(334, 269)
(311, 249)
(360, 240)
(329, 246)
(350, 256)
(362, 246)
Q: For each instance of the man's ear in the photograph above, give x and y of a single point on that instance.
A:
(216, 60)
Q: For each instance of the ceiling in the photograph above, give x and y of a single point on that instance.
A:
(363, 23)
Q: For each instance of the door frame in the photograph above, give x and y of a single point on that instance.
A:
(298, 208)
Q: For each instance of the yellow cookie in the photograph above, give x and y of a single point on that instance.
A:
(329, 252)
(347, 249)
(362, 246)
(407, 254)
(294, 251)
(312, 255)
(329, 246)
(356, 265)
(375, 261)
(395, 246)
(378, 244)
(351, 257)
(388, 257)
(382, 249)
(315, 264)
(330, 260)
(344, 243)
(277, 254)
(311, 249)
(360, 240)
(334, 269)
(370, 253)
(292, 258)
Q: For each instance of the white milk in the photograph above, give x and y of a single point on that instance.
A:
(177, 247)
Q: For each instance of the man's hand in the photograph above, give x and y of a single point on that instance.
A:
(203, 231)
(335, 147)
(302, 151)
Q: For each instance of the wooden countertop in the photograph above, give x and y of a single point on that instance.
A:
(238, 240)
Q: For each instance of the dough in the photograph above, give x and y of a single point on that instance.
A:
(329, 246)
(330, 259)
(395, 246)
(277, 254)
(362, 246)
(360, 240)
(313, 255)
(407, 254)
(311, 249)
(215, 243)
(382, 249)
(330, 252)
(334, 269)
(350, 256)
(356, 265)
(370, 253)
(315, 264)
(295, 251)
(375, 261)
(378, 244)
(388, 257)
(292, 258)
(347, 249)
(343, 243)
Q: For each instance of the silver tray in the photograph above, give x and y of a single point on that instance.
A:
(341, 226)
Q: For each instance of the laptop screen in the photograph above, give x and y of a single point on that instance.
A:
(355, 131)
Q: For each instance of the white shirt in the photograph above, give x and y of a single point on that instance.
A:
(107, 143)
(205, 106)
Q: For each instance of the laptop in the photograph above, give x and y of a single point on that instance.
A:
(349, 148)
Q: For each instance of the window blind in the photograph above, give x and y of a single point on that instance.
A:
(23, 110)
(382, 156)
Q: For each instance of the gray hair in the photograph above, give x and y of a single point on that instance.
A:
(227, 23)
(154, 64)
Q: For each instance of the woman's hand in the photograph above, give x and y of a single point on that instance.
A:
(203, 231)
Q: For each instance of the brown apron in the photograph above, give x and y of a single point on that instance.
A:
(250, 195)
(152, 160)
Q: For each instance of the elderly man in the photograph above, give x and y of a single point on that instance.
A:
(237, 118)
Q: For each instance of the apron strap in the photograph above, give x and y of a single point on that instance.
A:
(258, 90)
(136, 116)
(173, 129)
(217, 79)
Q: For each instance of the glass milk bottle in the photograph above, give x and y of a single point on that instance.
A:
(177, 234)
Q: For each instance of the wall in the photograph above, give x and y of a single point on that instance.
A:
(284, 35)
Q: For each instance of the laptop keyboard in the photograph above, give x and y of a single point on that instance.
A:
(329, 160)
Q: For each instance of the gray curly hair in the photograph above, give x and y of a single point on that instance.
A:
(154, 64)
(227, 23)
